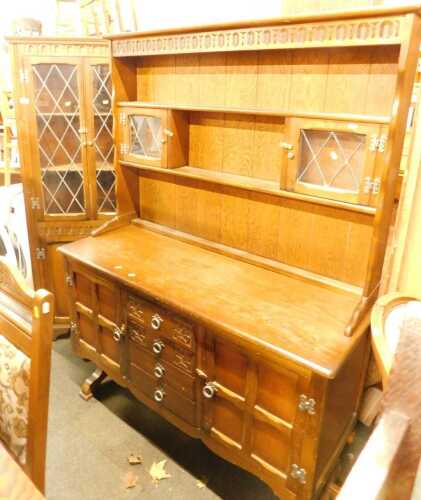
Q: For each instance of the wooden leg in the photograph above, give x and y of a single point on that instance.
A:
(90, 383)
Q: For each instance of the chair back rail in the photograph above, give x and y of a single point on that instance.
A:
(34, 338)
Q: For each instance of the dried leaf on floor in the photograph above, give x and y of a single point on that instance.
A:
(134, 459)
(201, 483)
(158, 472)
(130, 480)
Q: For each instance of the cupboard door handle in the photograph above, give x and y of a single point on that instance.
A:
(156, 322)
(159, 371)
(118, 333)
(209, 390)
(159, 395)
(157, 347)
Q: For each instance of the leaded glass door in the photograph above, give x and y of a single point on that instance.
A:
(59, 128)
(100, 145)
(143, 138)
(333, 160)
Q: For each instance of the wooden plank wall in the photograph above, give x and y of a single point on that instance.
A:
(328, 241)
(342, 80)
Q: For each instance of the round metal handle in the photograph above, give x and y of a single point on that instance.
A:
(117, 334)
(159, 395)
(156, 322)
(209, 390)
(159, 371)
(157, 347)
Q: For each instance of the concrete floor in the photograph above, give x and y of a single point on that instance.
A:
(89, 443)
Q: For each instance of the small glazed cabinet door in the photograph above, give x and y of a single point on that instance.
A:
(153, 137)
(144, 136)
(335, 160)
(252, 409)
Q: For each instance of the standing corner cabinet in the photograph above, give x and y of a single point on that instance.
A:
(62, 89)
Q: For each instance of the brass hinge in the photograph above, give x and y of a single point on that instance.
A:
(73, 328)
(378, 143)
(69, 280)
(23, 75)
(307, 404)
(298, 473)
(372, 185)
(124, 149)
(122, 118)
(35, 203)
(40, 253)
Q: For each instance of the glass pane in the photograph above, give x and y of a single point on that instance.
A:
(104, 148)
(332, 160)
(145, 136)
(57, 109)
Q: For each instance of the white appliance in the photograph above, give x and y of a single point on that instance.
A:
(14, 243)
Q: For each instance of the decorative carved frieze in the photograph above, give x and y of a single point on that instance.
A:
(183, 362)
(374, 31)
(65, 49)
(65, 231)
(137, 335)
(135, 311)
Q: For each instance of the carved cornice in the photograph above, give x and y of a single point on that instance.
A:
(375, 31)
(64, 49)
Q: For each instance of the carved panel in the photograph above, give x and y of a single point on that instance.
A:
(65, 49)
(137, 335)
(183, 362)
(183, 335)
(65, 231)
(378, 31)
(135, 312)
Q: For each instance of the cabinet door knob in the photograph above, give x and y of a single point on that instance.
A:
(157, 347)
(209, 390)
(159, 395)
(156, 321)
(159, 371)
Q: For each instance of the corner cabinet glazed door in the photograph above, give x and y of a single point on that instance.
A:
(336, 160)
(250, 410)
(65, 140)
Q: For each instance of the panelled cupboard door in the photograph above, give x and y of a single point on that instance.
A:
(251, 408)
(96, 325)
(143, 136)
(335, 160)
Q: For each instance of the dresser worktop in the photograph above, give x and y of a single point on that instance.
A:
(281, 314)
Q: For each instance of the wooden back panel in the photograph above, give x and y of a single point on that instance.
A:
(329, 241)
(343, 80)
(26, 320)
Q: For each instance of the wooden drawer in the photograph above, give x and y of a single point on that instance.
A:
(172, 400)
(163, 372)
(159, 321)
(140, 336)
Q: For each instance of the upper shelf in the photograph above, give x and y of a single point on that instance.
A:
(347, 117)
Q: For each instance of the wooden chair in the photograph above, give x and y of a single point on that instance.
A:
(26, 328)
(387, 466)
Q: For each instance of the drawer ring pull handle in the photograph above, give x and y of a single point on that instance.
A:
(156, 321)
(159, 395)
(157, 347)
(159, 371)
(209, 390)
